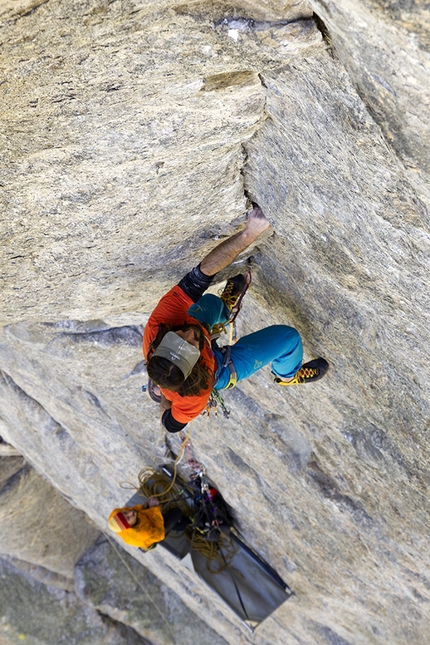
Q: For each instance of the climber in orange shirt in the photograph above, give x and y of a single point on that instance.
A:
(181, 361)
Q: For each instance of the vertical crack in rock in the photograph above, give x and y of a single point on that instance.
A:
(259, 125)
(237, 79)
(224, 80)
(322, 27)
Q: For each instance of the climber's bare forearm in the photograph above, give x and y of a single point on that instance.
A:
(224, 254)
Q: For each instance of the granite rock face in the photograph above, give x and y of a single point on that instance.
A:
(107, 597)
(38, 525)
(132, 112)
(385, 46)
(131, 131)
(121, 588)
(45, 615)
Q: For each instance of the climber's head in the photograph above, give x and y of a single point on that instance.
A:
(123, 519)
(173, 360)
(131, 516)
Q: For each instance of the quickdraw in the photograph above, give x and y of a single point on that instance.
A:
(216, 400)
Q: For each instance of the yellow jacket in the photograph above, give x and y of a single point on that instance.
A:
(148, 530)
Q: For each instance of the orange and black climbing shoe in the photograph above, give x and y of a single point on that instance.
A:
(308, 373)
(232, 296)
(233, 290)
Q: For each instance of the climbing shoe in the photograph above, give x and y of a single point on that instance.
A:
(308, 373)
(233, 290)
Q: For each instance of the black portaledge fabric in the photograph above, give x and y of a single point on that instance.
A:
(175, 521)
(195, 283)
(170, 422)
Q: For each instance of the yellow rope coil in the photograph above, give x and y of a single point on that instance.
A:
(147, 475)
(157, 484)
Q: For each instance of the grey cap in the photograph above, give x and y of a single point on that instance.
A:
(179, 352)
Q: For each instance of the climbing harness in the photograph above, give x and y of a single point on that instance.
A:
(227, 362)
(216, 398)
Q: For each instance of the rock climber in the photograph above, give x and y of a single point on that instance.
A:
(144, 525)
(177, 345)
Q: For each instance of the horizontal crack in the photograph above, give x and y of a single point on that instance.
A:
(248, 24)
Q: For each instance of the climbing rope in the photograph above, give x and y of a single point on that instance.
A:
(202, 512)
(218, 554)
(167, 623)
(148, 474)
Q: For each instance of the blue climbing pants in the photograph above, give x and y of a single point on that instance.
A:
(278, 344)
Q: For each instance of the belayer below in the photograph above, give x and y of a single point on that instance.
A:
(144, 525)
(177, 344)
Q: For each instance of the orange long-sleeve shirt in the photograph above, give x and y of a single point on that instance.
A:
(173, 310)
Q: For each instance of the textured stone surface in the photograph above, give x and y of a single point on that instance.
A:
(6, 450)
(131, 130)
(119, 587)
(39, 615)
(38, 525)
(385, 46)
(119, 115)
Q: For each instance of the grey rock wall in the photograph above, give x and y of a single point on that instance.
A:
(119, 587)
(38, 526)
(50, 594)
(120, 115)
(130, 132)
(385, 47)
(45, 615)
